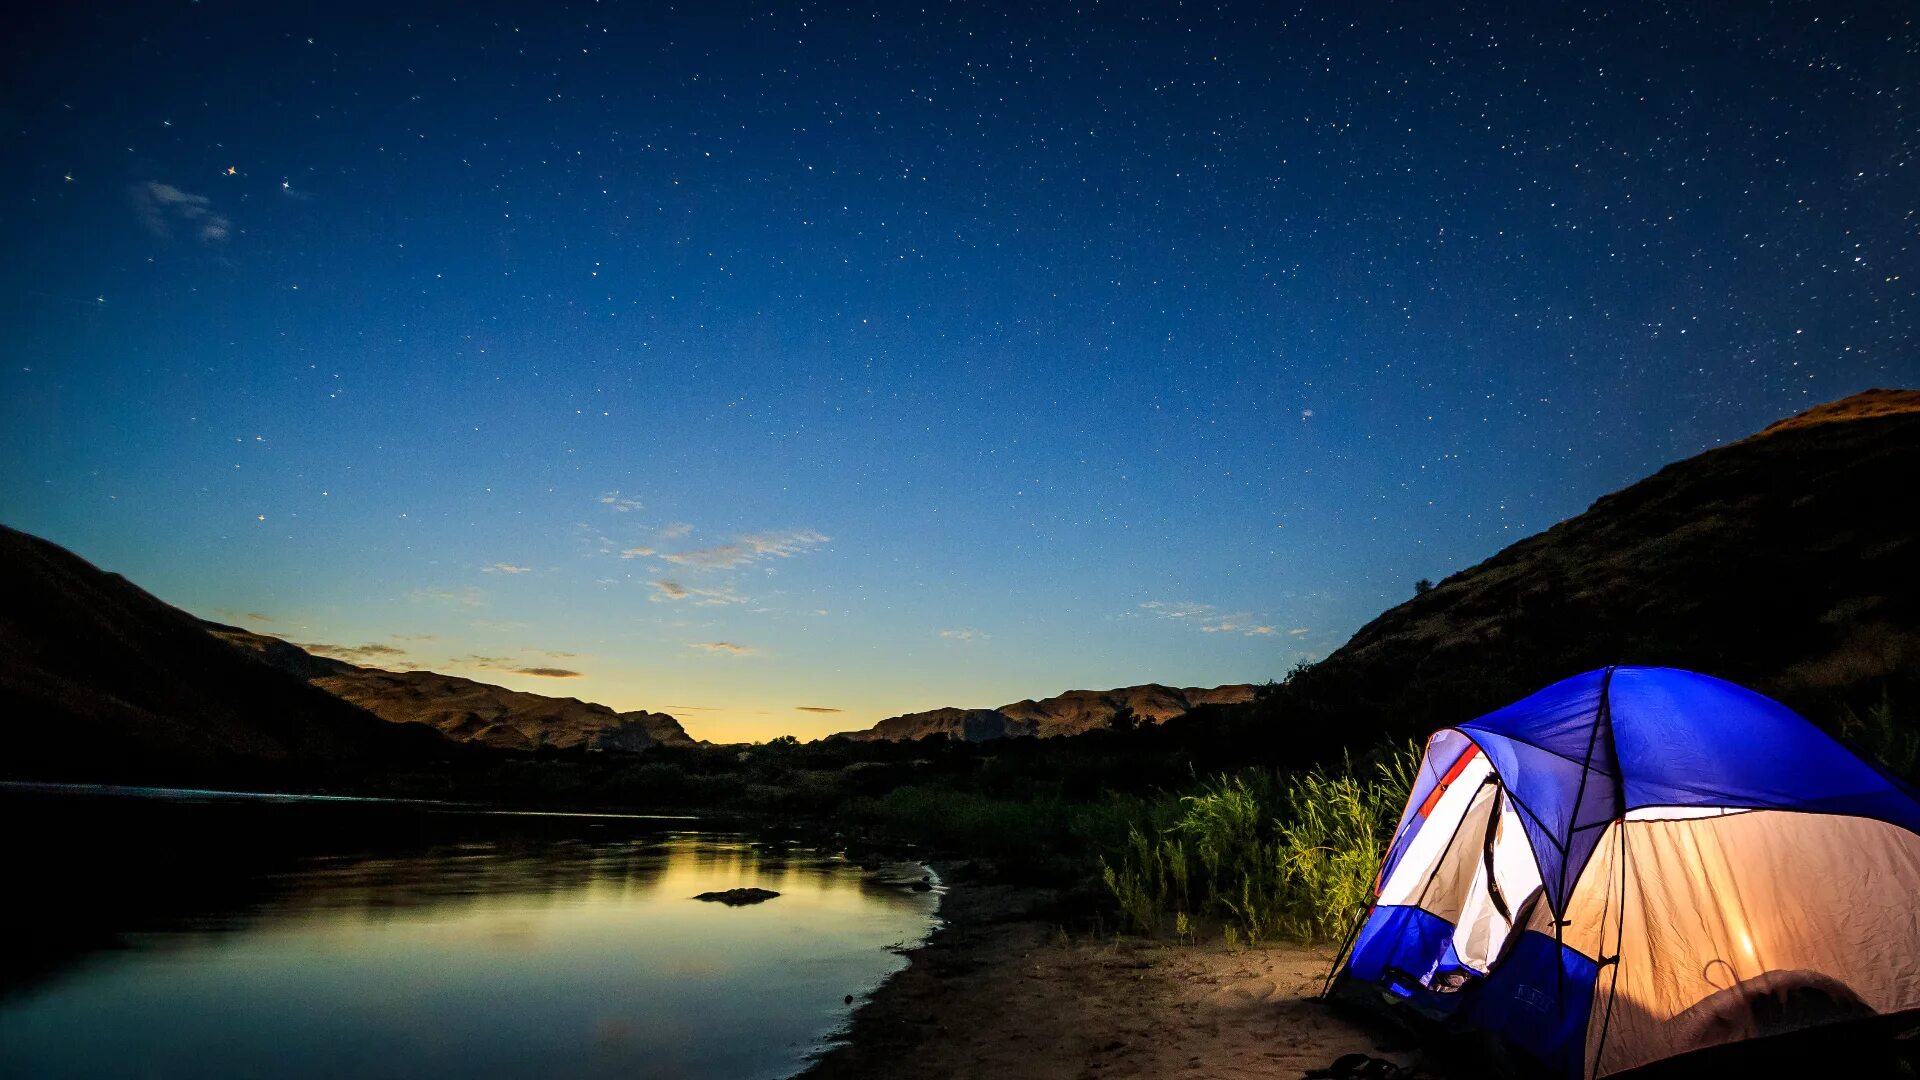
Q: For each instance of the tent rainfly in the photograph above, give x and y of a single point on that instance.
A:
(1638, 862)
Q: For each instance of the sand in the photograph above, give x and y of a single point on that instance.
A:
(1001, 993)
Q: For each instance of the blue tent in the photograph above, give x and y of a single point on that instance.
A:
(1632, 863)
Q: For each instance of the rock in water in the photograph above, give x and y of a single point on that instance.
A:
(738, 897)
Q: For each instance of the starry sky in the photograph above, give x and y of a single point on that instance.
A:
(787, 367)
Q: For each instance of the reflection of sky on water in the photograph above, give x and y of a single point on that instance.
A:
(522, 957)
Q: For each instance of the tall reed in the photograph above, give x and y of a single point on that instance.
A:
(1265, 853)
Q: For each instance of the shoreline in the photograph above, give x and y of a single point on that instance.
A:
(1000, 991)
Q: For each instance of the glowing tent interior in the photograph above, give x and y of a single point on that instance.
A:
(1637, 863)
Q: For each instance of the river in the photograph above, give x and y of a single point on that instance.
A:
(196, 934)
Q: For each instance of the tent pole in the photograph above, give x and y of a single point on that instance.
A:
(1340, 957)
(1601, 712)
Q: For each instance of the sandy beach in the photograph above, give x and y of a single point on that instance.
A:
(1001, 993)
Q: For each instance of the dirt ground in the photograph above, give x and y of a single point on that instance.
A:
(1001, 994)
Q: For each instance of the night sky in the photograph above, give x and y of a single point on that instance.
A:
(788, 367)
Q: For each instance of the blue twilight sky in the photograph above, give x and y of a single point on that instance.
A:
(754, 361)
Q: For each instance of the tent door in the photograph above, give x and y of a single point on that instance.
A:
(1502, 887)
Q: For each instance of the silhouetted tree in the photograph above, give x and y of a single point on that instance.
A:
(1124, 720)
(1422, 587)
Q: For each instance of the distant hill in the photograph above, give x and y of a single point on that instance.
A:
(1071, 713)
(466, 710)
(1787, 562)
(101, 681)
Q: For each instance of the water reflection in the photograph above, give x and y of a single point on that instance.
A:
(174, 938)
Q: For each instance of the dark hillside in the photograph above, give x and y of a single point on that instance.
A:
(99, 680)
(1786, 562)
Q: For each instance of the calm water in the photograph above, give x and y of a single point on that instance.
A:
(172, 937)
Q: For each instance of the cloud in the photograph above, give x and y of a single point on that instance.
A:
(373, 650)
(1297, 631)
(258, 617)
(961, 633)
(724, 557)
(673, 590)
(817, 709)
(1170, 610)
(519, 667)
(465, 596)
(621, 504)
(636, 553)
(1207, 618)
(163, 206)
(595, 541)
(750, 548)
(726, 647)
(676, 530)
(784, 544)
(414, 637)
(506, 568)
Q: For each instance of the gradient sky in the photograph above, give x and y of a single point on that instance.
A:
(751, 360)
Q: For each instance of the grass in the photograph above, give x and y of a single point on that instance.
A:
(1880, 736)
(1264, 854)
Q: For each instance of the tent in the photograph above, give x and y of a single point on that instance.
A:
(1635, 863)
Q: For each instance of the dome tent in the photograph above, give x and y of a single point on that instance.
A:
(1635, 863)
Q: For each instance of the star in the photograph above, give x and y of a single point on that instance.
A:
(231, 170)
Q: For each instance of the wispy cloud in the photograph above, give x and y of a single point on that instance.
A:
(748, 549)
(465, 596)
(1208, 618)
(817, 709)
(636, 553)
(961, 633)
(162, 207)
(724, 557)
(592, 540)
(505, 568)
(785, 544)
(373, 650)
(510, 666)
(716, 597)
(1297, 631)
(676, 530)
(621, 504)
(414, 637)
(727, 648)
(1168, 609)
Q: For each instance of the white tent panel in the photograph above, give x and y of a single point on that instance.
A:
(1482, 928)
(1416, 867)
